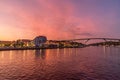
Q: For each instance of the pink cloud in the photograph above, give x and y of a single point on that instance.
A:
(53, 18)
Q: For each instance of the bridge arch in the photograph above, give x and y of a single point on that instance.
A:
(88, 39)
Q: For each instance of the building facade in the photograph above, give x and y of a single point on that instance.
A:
(39, 41)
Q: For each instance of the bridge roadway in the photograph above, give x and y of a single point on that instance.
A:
(87, 39)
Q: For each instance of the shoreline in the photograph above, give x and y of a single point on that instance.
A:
(33, 48)
(8, 49)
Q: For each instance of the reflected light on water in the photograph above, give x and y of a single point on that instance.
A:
(90, 63)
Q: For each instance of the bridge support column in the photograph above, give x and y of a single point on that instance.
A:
(105, 40)
(87, 41)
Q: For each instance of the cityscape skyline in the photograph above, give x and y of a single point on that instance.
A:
(59, 19)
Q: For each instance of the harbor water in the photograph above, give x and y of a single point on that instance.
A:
(90, 63)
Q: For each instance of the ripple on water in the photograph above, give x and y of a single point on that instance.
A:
(92, 63)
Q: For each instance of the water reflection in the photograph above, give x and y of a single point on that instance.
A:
(40, 53)
(90, 63)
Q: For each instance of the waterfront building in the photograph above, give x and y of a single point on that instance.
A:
(25, 43)
(5, 43)
(39, 41)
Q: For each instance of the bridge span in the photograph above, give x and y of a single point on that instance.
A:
(88, 39)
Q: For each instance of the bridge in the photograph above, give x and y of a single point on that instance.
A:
(88, 39)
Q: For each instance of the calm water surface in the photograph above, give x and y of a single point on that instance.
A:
(91, 63)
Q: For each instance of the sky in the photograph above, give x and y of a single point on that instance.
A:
(59, 19)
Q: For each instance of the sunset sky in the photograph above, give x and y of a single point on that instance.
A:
(59, 19)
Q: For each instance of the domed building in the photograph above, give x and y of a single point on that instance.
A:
(39, 40)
